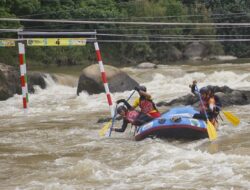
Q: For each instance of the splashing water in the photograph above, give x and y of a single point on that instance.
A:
(56, 145)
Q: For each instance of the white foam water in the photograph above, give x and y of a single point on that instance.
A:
(56, 144)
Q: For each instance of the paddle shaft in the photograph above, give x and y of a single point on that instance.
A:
(113, 119)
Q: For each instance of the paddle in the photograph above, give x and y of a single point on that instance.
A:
(113, 121)
(212, 134)
(232, 118)
(110, 124)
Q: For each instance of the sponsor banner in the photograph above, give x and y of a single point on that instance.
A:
(7, 43)
(56, 42)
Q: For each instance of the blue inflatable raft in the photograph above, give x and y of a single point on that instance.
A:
(177, 123)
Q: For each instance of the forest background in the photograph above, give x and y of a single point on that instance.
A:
(127, 53)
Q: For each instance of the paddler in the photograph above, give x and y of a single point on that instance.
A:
(193, 87)
(145, 102)
(130, 115)
(208, 106)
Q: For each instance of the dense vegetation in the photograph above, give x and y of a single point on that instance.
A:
(127, 10)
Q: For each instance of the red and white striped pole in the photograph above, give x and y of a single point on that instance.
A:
(23, 72)
(104, 77)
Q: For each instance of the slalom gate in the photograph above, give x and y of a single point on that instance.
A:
(38, 39)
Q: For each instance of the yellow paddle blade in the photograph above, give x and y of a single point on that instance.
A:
(105, 128)
(212, 134)
(232, 118)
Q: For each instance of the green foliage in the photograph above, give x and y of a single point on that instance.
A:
(203, 11)
(23, 7)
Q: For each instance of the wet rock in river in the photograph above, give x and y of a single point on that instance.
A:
(90, 80)
(227, 96)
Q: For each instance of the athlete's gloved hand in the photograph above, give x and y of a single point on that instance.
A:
(120, 101)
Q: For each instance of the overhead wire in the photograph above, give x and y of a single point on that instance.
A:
(123, 23)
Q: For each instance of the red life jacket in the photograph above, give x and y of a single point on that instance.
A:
(146, 106)
(131, 116)
(205, 104)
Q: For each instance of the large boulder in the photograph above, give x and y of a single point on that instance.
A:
(10, 81)
(174, 54)
(195, 51)
(4, 91)
(90, 80)
(36, 78)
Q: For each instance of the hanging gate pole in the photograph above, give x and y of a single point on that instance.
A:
(23, 72)
(104, 78)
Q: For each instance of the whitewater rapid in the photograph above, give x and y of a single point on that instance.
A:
(56, 144)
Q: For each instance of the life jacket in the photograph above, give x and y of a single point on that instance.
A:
(203, 107)
(212, 113)
(147, 105)
(131, 116)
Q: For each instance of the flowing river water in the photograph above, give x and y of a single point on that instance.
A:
(56, 144)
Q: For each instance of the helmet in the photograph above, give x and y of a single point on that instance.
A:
(121, 108)
(143, 88)
(203, 90)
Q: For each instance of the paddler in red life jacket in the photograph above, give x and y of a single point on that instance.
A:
(130, 115)
(145, 102)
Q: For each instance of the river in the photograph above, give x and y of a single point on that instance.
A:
(56, 144)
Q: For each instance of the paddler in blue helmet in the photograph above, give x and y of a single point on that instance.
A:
(193, 87)
(145, 102)
(130, 115)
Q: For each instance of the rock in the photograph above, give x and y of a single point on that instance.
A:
(10, 81)
(195, 51)
(184, 100)
(227, 96)
(174, 54)
(91, 82)
(223, 57)
(36, 78)
(4, 91)
(169, 54)
(146, 65)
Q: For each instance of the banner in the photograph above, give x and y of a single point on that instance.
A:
(7, 43)
(56, 42)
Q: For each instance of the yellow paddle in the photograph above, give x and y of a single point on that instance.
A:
(232, 118)
(212, 134)
(105, 129)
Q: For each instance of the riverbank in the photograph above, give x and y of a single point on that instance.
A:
(76, 69)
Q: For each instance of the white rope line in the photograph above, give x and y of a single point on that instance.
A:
(123, 23)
